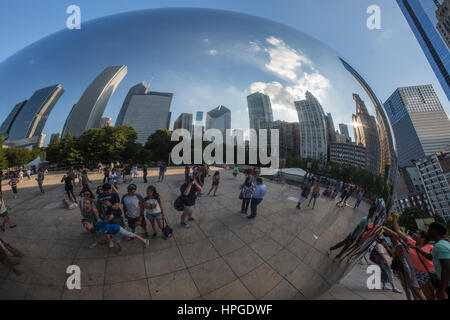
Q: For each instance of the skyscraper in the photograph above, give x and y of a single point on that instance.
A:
(434, 47)
(366, 134)
(140, 88)
(443, 16)
(32, 116)
(105, 122)
(344, 130)
(420, 123)
(219, 118)
(289, 135)
(184, 121)
(148, 113)
(259, 111)
(88, 112)
(6, 125)
(313, 133)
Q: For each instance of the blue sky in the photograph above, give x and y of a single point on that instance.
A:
(390, 57)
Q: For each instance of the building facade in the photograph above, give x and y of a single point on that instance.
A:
(289, 138)
(140, 88)
(7, 123)
(366, 134)
(435, 175)
(348, 153)
(426, 33)
(220, 119)
(420, 124)
(259, 111)
(343, 128)
(147, 113)
(105, 122)
(88, 112)
(184, 121)
(313, 133)
(443, 24)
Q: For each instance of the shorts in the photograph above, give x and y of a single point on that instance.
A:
(423, 277)
(188, 209)
(14, 190)
(153, 216)
(302, 198)
(4, 214)
(133, 222)
(69, 188)
(123, 233)
(215, 183)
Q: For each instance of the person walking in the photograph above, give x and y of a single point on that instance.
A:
(154, 210)
(341, 202)
(189, 191)
(68, 186)
(85, 181)
(246, 194)
(133, 208)
(314, 195)
(13, 183)
(215, 183)
(304, 195)
(359, 198)
(257, 198)
(40, 180)
(235, 171)
(106, 172)
(162, 172)
(4, 207)
(145, 173)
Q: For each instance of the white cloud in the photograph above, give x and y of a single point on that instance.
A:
(295, 68)
(212, 52)
(205, 40)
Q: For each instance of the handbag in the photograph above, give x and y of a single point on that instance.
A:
(167, 230)
(433, 276)
(241, 195)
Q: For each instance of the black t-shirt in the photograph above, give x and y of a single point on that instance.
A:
(68, 182)
(117, 215)
(112, 198)
(189, 199)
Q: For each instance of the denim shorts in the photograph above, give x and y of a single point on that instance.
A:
(4, 214)
(152, 216)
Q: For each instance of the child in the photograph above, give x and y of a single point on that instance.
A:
(114, 230)
(13, 183)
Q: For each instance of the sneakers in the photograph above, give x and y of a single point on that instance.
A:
(111, 244)
(397, 290)
(127, 239)
(93, 245)
(191, 219)
(184, 224)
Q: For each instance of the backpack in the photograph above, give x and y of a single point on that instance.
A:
(179, 203)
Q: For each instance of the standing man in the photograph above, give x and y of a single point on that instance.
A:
(162, 172)
(258, 196)
(145, 173)
(106, 174)
(40, 180)
(190, 191)
(133, 207)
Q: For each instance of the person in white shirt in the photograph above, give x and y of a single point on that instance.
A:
(258, 196)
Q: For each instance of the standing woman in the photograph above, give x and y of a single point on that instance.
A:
(247, 190)
(215, 183)
(68, 186)
(314, 195)
(154, 210)
(4, 207)
(304, 195)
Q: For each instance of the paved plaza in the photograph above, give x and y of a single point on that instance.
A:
(279, 255)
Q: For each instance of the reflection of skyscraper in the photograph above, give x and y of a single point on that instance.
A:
(443, 24)
(433, 46)
(344, 130)
(199, 116)
(30, 120)
(313, 135)
(6, 125)
(105, 122)
(259, 111)
(289, 135)
(87, 113)
(140, 88)
(148, 113)
(420, 123)
(219, 118)
(366, 134)
(55, 138)
(184, 121)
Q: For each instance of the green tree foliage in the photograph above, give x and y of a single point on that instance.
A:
(3, 160)
(408, 218)
(19, 157)
(160, 144)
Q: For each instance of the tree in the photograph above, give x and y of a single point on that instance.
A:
(18, 157)
(160, 144)
(408, 218)
(3, 160)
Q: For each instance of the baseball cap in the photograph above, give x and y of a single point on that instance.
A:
(132, 187)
